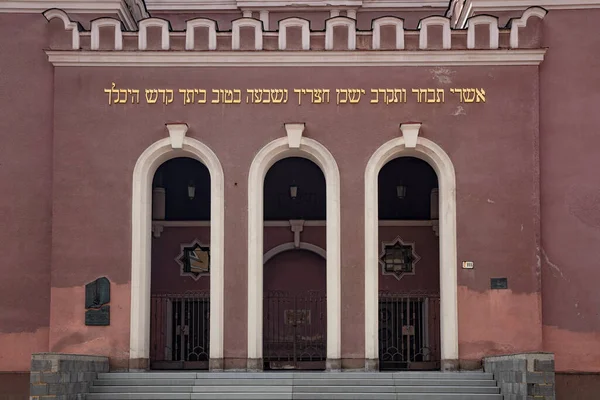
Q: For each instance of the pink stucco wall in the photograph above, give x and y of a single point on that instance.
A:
(524, 161)
(25, 189)
(569, 189)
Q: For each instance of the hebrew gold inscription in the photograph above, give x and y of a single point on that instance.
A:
(303, 96)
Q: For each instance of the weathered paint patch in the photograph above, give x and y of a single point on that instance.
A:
(574, 351)
(69, 334)
(16, 349)
(498, 322)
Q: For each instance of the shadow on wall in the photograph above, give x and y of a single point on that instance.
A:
(577, 386)
(14, 385)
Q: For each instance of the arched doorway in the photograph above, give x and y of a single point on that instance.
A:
(180, 276)
(294, 281)
(409, 290)
(435, 156)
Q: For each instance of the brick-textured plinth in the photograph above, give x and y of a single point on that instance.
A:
(523, 376)
(63, 376)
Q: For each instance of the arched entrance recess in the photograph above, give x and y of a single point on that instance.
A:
(141, 222)
(266, 157)
(434, 155)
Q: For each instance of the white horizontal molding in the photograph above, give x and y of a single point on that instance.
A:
(118, 7)
(295, 58)
(472, 7)
(510, 5)
(395, 222)
(181, 224)
(191, 5)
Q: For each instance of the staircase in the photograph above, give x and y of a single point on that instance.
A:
(296, 386)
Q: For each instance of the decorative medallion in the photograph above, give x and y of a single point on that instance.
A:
(398, 258)
(194, 260)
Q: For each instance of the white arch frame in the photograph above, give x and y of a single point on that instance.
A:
(141, 243)
(424, 25)
(397, 23)
(491, 22)
(331, 23)
(515, 24)
(106, 22)
(294, 22)
(441, 163)
(237, 24)
(74, 27)
(165, 27)
(190, 30)
(282, 248)
(266, 157)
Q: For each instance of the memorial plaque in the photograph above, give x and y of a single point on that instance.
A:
(98, 317)
(499, 283)
(97, 293)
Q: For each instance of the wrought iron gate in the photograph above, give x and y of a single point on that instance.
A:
(179, 331)
(294, 330)
(409, 327)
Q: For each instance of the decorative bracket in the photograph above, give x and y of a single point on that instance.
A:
(410, 132)
(177, 133)
(294, 134)
(297, 226)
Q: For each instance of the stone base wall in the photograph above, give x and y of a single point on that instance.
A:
(528, 376)
(63, 376)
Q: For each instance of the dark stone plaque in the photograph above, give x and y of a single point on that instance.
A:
(499, 283)
(98, 317)
(97, 293)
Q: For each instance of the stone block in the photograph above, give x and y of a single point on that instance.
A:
(540, 377)
(41, 365)
(35, 377)
(38, 389)
(544, 365)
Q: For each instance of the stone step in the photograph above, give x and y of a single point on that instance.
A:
(297, 375)
(290, 396)
(294, 382)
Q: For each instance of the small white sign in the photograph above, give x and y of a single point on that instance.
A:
(467, 264)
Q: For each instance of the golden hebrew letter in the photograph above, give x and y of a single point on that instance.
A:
(119, 99)
(227, 96)
(459, 91)
(110, 93)
(268, 93)
(355, 95)
(258, 96)
(237, 92)
(432, 98)
(376, 99)
(217, 100)
(391, 96)
(402, 98)
(188, 96)
(326, 94)
(168, 99)
(202, 92)
(135, 95)
(249, 96)
(442, 98)
(279, 96)
(342, 91)
(418, 92)
(469, 95)
(299, 91)
(151, 96)
(480, 95)
(164, 93)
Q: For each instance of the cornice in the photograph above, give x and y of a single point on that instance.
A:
(489, 6)
(194, 5)
(296, 59)
(118, 7)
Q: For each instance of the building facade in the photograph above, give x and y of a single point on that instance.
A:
(255, 185)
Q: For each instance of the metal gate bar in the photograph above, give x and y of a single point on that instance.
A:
(409, 331)
(294, 330)
(179, 330)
